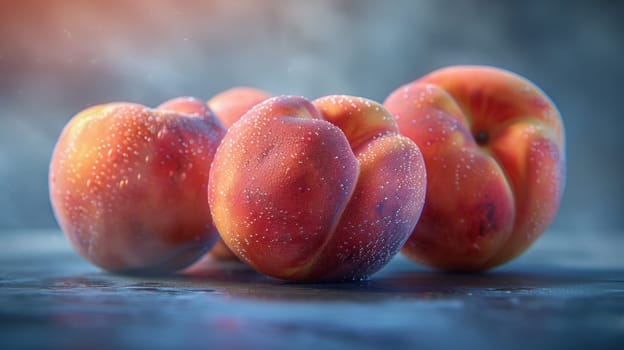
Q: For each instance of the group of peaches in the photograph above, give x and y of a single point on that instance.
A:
(460, 170)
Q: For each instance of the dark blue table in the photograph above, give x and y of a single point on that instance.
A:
(566, 292)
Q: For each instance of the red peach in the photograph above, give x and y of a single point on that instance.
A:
(229, 106)
(326, 190)
(493, 144)
(127, 184)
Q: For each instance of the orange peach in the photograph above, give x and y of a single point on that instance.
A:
(316, 191)
(494, 147)
(229, 106)
(128, 184)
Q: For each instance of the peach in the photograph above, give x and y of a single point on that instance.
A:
(316, 191)
(493, 144)
(128, 184)
(229, 106)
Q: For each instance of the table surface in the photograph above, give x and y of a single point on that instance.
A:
(566, 292)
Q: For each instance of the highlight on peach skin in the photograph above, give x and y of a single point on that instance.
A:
(128, 184)
(316, 191)
(494, 148)
(229, 106)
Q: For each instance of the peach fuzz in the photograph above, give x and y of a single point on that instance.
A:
(494, 147)
(128, 184)
(316, 191)
(229, 106)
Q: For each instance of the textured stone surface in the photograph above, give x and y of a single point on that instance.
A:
(567, 292)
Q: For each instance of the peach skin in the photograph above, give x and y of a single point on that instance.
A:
(229, 106)
(127, 184)
(316, 191)
(494, 147)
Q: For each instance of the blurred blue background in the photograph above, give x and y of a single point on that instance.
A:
(58, 57)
